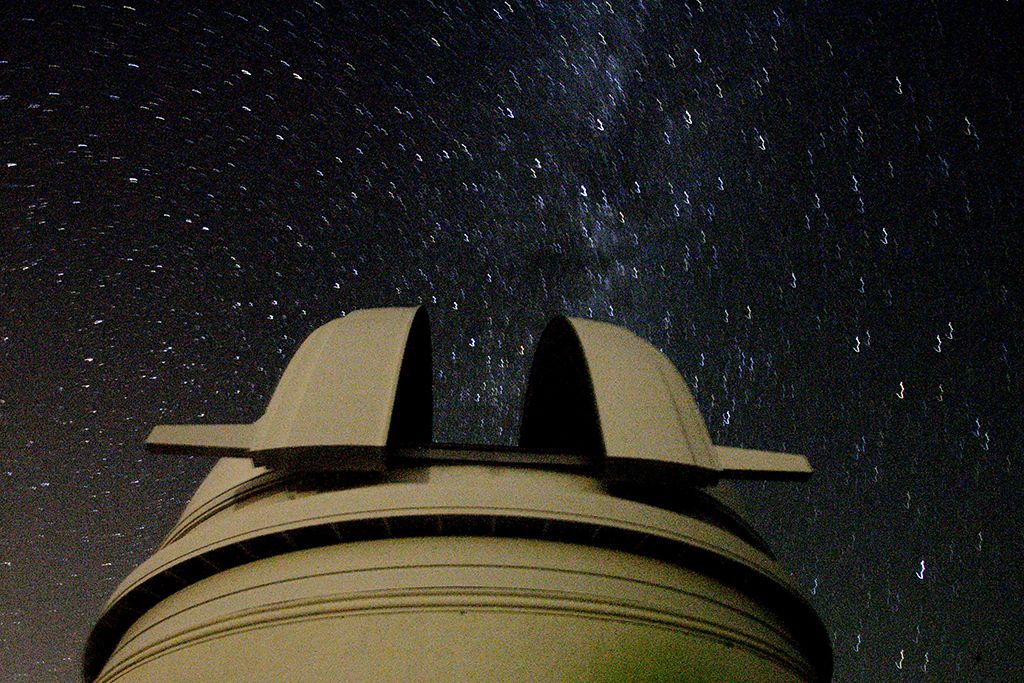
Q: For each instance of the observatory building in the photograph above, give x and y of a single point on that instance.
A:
(334, 540)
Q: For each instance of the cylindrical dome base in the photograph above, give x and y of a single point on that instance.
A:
(457, 608)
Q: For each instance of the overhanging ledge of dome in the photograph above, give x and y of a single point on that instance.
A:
(599, 390)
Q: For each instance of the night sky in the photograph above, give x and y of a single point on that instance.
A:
(815, 213)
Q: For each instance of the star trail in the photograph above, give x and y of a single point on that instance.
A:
(813, 211)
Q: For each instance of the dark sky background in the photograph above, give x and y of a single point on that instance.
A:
(814, 212)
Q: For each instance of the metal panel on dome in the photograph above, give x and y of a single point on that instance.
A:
(599, 390)
(356, 385)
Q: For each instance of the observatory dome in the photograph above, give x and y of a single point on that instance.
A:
(334, 540)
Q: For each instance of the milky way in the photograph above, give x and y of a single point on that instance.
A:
(814, 213)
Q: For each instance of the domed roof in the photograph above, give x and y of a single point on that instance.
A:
(359, 389)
